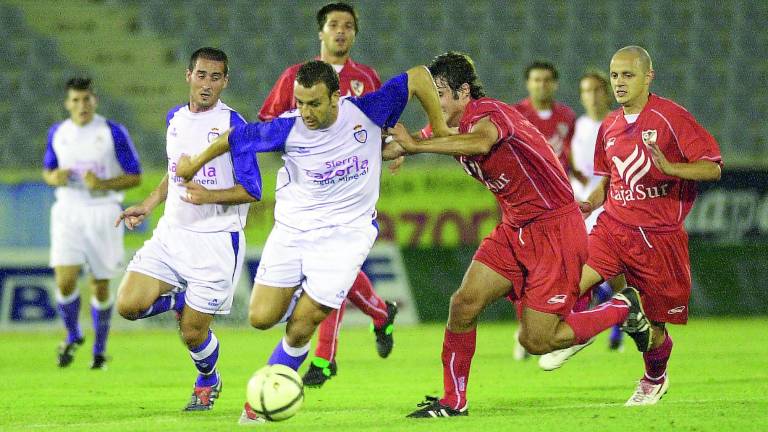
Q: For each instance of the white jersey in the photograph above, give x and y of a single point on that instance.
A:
(583, 154)
(331, 176)
(101, 146)
(190, 133)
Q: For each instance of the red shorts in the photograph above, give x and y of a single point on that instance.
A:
(543, 259)
(653, 261)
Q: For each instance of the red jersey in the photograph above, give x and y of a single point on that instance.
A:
(640, 194)
(557, 129)
(354, 80)
(521, 169)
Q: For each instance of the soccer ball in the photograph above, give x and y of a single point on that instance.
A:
(275, 392)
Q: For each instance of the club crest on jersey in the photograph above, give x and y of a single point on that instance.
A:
(610, 143)
(649, 136)
(361, 135)
(213, 134)
(357, 87)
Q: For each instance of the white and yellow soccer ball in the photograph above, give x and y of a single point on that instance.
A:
(275, 392)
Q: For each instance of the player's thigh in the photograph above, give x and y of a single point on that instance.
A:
(66, 278)
(268, 304)
(194, 326)
(66, 229)
(481, 286)
(138, 291)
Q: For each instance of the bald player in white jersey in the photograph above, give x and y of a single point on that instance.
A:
(325, 196)
(89, 160)
(193, 261)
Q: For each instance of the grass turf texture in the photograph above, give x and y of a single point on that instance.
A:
(718, 376)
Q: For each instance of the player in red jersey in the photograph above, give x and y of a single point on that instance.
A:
(535, 256)
(337, 28)
(554, 119)
(651, 152)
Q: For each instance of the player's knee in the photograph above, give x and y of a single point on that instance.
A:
(261, 319)
(193, 336)
(127, 309)
(464, 307)
(535, 344)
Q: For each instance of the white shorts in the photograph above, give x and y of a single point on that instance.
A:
(206, 265)
(325, 261)
(86, 235)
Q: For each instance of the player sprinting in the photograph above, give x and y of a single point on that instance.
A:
(89, 160)
(651, 152)
(325, 196)
(535, 256)
(193, 261)
(594, 89)
(337, 26)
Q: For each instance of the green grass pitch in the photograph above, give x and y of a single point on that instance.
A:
(718, 373)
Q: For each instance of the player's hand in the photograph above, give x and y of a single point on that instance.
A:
(395, 165)
(60, 176)
(133, 216)
(403, 138)
(659, 159)
(185, 168)
(91, 181)
(196, 194)
(585, 208)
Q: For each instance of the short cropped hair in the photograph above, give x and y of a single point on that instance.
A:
(318, 71)
(545, 65)
(79, 83)
(598, 76)
(208, 53)
(322, 14)
(457, 68)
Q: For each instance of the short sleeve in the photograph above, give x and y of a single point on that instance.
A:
(50, 161)
(280, 98)
(235, 119)
(171, 113)
(385, 106)
(125, 151)
(695, 142)
(602, 168)
(247, 140)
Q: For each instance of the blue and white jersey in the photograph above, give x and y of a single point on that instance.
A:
(331, 176)
(101, 146)
(190, 133)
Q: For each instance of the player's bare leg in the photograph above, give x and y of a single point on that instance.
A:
(654, 383)
(68, 306)
(480, 287)
(101, 315)
(203, 346)
(268, 305)
(142, 296)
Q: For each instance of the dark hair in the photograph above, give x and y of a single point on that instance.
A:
(79, 83)
(317, 71)
(322, 14)
(599, 76)
(457, 69)
(541, 65)
(208, 53)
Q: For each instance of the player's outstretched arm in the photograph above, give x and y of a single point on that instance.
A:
(421, 85)
(187, 166)
(198, 194)
(56, 177)
(480, 140)
(135, 215)
(120, 182)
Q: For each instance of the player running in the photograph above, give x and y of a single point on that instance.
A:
(89, 160)
(192, 263)
(325, 212)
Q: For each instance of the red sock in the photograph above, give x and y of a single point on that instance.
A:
(589, 323)
(656, 360)
(458, 350)
(328, 334)
(365, 298)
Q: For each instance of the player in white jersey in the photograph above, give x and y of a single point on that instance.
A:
(89, 160)
(193, 260)
(325, 195)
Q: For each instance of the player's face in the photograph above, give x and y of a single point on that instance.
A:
(541, 85)
(453, 108)
(318, 109)
(81, 105)
(629, 81)
(594, 97)
(338, 34)
(206, 82)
